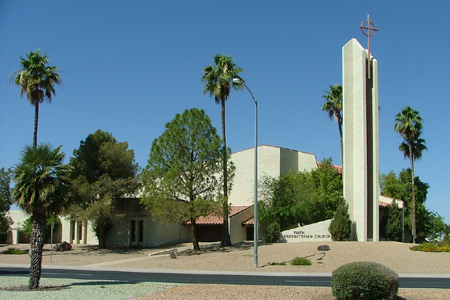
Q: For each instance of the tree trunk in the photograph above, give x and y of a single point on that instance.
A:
(413, 225)
(37, 244)
(226, 240)
(36, 120)
(101, 235)
(194, 235)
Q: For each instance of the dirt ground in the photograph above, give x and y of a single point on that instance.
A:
(396, 256)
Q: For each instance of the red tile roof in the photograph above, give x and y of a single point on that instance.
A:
(218, 220)
(338, 169)
(249, 222)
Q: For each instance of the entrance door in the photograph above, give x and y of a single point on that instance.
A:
(137, 232)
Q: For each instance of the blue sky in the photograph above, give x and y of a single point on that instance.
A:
(130, 66)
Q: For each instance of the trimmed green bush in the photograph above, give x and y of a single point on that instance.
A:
(364, 280)
(341, 226)
(300, 261)
(14, 251)
(272, 233)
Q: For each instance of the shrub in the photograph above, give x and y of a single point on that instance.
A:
(272, 233)
(364, 280)
(300, 261)
(5, 223)
(432, 247)
(394, 230)
(14, 251)
(341, 225)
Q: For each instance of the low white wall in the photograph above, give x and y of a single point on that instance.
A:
(316, 232)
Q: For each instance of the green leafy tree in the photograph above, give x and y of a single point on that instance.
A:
(446, 237)
(409, 124)
(325, 190)
(392, 186)
(437, 229)
(42, 186)
(37, 80)
(5, 203)
(306, 197)
(218, 80)
(104, 171)
(341, 226)
(400, 188)
(284, 203)
(333, 106)
(182, 177)
(394, 230)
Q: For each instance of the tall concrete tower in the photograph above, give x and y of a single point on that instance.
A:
(360, 133)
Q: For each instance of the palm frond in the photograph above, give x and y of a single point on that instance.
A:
(42, 181)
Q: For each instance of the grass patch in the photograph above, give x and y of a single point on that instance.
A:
(14, 251)
(300, 261)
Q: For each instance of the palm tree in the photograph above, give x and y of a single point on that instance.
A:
(218, 81)
(37, 80)
(41, 187)
(409, 125)
(333, 106)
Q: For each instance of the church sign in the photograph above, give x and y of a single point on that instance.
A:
(310, 233)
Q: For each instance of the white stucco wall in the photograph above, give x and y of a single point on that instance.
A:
(272, 161)
(306, 161)
(269, 161)
(242, 190)
(288, 161)
(238, 232)
(18, 217)
(77, 232)
(389, 200)
(155, 233)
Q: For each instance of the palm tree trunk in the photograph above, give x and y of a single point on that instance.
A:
(37, 244)
(36, 119)
(226, 240)
(414, 230)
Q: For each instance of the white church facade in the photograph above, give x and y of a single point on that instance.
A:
(138, 228)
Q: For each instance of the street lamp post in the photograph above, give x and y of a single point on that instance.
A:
(255, 214)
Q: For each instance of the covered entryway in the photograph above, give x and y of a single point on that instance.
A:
(210, 228)
(137, 233)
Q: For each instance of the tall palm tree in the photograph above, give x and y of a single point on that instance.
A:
(42, 186)
(218, 80)
(37, 81)
(333, 106)
(409, 124)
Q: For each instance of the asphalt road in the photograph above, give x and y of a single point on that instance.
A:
(204, 277)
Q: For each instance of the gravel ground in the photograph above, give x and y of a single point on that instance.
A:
(80, 289)
(397, 256)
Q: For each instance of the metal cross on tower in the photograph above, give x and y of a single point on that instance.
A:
(366, 27)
